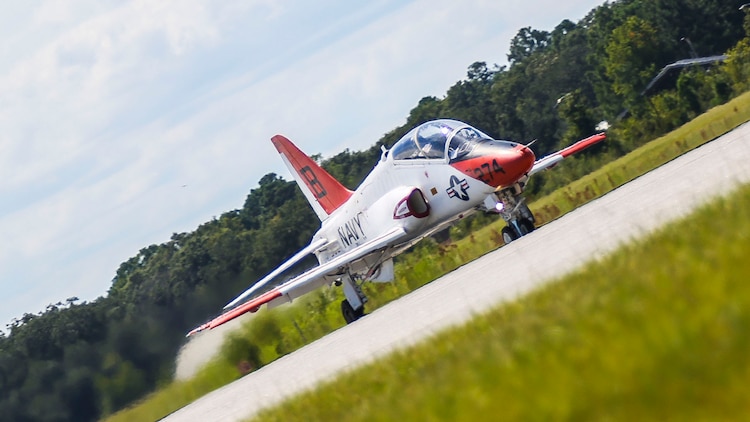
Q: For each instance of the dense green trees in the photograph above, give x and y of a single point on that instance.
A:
(78, 361)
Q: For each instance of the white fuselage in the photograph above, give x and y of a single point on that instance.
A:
(370, 211)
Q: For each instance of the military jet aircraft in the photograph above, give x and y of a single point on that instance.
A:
(437, 173)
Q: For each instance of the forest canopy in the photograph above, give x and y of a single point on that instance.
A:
(82, 360)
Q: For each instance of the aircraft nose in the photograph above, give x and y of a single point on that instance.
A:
(527, 158)
(498, 164)
(516, 164)
(509, 165)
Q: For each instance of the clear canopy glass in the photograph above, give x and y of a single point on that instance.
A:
(437, 139)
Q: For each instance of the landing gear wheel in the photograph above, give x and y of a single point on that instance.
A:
(526, 226)
(351, 315)
(509, 234)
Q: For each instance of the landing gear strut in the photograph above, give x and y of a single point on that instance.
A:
(353, 307)
(512, 207)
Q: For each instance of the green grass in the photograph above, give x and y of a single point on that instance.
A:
(657, 331)
(704, 128)
(318, 313)
(179, 393)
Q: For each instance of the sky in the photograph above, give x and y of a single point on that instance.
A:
(123, 122)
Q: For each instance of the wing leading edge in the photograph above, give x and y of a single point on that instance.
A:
(321, 243)
(305, 282)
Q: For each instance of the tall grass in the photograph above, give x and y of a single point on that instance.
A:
(657, 331)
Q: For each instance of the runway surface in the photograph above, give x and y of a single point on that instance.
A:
(587, 233)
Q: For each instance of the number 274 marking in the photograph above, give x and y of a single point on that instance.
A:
(486, 172)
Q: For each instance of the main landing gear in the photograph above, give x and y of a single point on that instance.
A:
(353, 307)
(350, 315)
(513, 209)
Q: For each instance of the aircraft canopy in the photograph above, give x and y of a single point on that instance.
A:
(436, 139)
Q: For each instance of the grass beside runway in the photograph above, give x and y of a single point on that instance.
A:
(656, 331)
(704, 128)
(317, 314)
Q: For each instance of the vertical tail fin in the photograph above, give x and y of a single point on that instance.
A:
(324, 193)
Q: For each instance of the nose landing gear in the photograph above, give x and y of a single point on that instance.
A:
(513, 209)
(516, 229)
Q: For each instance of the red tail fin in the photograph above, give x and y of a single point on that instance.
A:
(324, 193)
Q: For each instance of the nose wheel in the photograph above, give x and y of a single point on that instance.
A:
(513, 209)
(516, 229)
(509, 234)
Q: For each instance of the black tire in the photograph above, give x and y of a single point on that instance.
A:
(349, 313)
(526, 226)
(509, 234)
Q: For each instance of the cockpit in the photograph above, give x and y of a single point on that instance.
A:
(438, 139)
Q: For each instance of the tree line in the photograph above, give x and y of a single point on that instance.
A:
(83, 360)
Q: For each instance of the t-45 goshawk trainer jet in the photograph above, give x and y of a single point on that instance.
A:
(439, 172)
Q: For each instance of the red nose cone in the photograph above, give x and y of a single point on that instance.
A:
(527, 157)
(516, 165)
(499, 166)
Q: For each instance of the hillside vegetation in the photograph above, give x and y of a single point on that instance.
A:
(82, 361)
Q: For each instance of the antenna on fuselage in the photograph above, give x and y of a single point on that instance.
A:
(384, 153)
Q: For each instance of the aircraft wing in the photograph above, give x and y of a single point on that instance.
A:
(554, 158)
(312, 247)
(303, 283)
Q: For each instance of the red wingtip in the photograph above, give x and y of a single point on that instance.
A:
(583, 144)
(197, 330)
(250, 306)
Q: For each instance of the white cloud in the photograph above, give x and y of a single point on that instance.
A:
(108, 109)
